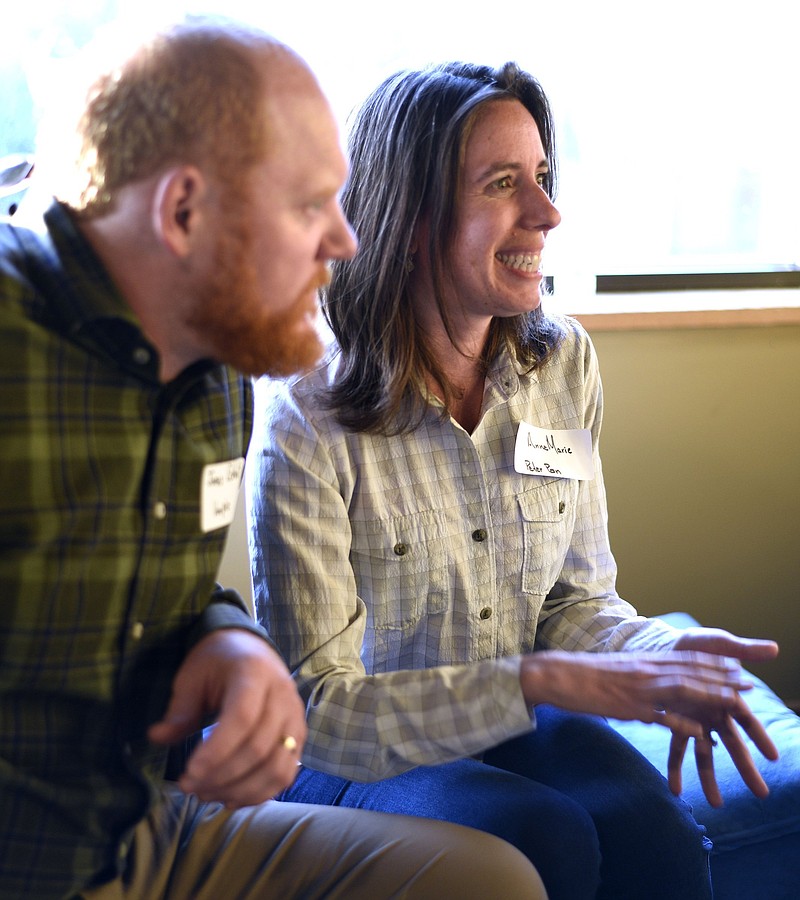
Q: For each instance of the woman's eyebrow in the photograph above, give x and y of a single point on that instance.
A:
(497, 167)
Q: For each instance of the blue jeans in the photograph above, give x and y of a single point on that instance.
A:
(589, 811)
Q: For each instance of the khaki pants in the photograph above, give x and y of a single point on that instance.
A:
(189, 850)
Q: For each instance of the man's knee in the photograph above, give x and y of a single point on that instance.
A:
(336, 853)
(467, 863)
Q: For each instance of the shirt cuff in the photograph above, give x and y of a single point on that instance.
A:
(227, 609)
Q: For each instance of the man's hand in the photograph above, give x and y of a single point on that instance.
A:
(691, 693)
(250, 756)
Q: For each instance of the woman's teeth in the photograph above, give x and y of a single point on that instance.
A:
(523, 262)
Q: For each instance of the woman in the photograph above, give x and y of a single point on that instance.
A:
(437, 570)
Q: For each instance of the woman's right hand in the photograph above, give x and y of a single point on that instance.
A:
(689, 692)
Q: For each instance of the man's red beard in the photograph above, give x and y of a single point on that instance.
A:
(236, 322)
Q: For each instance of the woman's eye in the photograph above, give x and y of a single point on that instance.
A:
(503, 183)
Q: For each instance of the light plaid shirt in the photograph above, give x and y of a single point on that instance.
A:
(402, 576)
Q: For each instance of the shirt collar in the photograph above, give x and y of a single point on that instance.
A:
(92, 310)
(90, 293)
(506, 373)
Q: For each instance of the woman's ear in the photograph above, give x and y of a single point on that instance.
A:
(179, 210)
(420, 235)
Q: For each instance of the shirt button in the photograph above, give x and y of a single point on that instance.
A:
(486, 612)
(479, 534)
(562, 506)
(137, 630)
(141, 356)
(160, 509)
(400, 548)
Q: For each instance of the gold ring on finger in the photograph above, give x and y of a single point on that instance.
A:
(289, 743)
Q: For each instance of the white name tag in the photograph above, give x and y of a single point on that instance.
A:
(219, 491)
(565, 453)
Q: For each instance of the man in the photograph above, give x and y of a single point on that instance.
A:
(189, 245)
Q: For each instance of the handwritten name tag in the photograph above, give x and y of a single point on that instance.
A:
(565, 453)
(219, 491)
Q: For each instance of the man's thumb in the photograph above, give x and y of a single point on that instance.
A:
(181, 719)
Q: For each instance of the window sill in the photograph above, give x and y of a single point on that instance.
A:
(740, 308)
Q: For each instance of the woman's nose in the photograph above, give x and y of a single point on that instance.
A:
(539, 212)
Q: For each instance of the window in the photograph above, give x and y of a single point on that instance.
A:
(676, 122)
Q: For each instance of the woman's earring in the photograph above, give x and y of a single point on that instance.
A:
(409, 265)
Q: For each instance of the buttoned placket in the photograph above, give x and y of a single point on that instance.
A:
(482, 563)
(156, 496)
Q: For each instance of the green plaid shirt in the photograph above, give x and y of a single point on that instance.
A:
(106, 574)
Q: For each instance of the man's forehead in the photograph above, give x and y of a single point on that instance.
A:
(298, 106)
(303, 144)
(285, 72)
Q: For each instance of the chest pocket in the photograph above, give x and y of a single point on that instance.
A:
(548, 519)
(403, 572)
(401, 566)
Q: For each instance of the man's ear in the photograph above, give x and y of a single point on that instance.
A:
(179, 210)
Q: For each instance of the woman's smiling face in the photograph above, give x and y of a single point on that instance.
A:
(503, 215)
